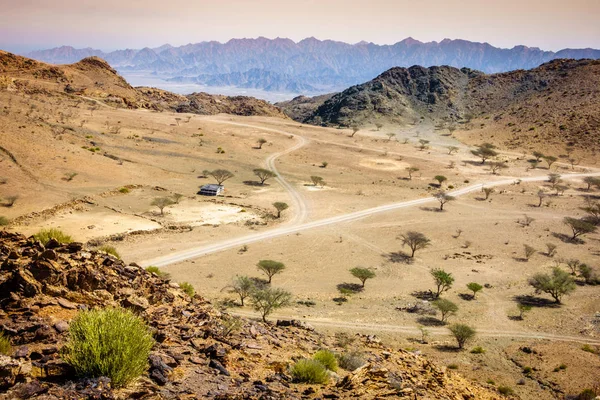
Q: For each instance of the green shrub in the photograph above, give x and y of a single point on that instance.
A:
(124, 190)
(45, 235)
(562, 366)
(112, 342)
(452, 366)
(490, 382)
(4, 221)
(187, 288)
(587, 394)
(589, 349)
(327, 358)
(351, 360)
(157, 271)
(505, 390)
(478, 350)
(5, 347)
(527, 370)
(109, 250)
(309, 371)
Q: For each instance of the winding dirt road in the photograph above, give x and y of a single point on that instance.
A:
(286, 230)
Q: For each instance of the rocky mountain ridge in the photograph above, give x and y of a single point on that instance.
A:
(93, 78)
(331, 64)
(197, 352)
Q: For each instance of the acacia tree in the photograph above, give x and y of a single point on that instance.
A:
(220, 175)
(410, 171)
(243, 287)
(591, 181)
(485, 152)
(474, 287)
(355, 129)
(446, 308)
(462, 333)
(280, 206)
(538, 156)
(415, 241)
(317, 181)
(264, 174)
(443, 198)
(557, 284)
(268, 300)
(378, 125)
(488, 191)
(554, 180)
(362, 274)
(423, 144)
(441, 179)
(162, 203)
(550, 160)
(579, 226)
(270, 268)
(443, 281)
(529, 251)
(452, 149)
(496, 166)
(260, 143)
(541, 195)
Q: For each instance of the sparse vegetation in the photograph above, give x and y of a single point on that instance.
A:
(187, 288)
(411, 171)
(45, 235)
(243, 287)
(4, 221)
(220, 175)
(268, 300)
(327, 358)
(485, 152)
(157, 271)
(317, 181)
(415, 241)
(5, 346)
(443, 281)
(528, 251)
(557, 284)
(474, 287)
(260, 142)
(352, 360)
(443, 198)
(446, 308)
(280, 206)
(111, 342)
(264, 174)
(309, 371)
(362, 274)
(109, 250)
(162, 203)
(579, 227)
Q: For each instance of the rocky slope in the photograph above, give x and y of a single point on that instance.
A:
(199, 351)
(94, 78)
(313, 61)
(555, 104)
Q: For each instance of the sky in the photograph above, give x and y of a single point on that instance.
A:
(117, 24)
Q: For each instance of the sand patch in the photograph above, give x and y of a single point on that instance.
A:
(383, 164)
(213, 214)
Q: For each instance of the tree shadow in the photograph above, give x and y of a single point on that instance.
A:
(255, 183)
(424, 295)
(520, 259)
(399, 257)
(430, 321)
(433, 209)
(480, 198)
(535, 301)
(466, 296)
(447, 348)
(435, 185)
(515, 318)
(567, 239)
(340, 300)
(259, 283)
(350, 287)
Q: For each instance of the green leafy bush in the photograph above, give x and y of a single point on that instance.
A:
(157, 271)
(351, 360)
(45, 235)
(4, 221)
(452, 366)
(187, 288)
(124, 190)
(112, 342)
(5, 347)
(327, 358)
(309, 371)
(109, 250)
(478, 350)
(505, 390)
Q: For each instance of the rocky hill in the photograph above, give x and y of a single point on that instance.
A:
(556, 104)
(93, 78)
(326, 63)
(199, 352)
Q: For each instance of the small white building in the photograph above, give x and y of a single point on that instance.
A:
(211, 190)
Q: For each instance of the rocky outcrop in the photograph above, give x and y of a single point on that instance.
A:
(199, 351)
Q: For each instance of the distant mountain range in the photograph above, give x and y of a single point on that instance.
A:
(309, 66)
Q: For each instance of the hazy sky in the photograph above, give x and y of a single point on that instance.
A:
(117, 24)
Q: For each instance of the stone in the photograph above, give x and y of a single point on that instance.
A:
(10, 371)
(64, 303)
(218, 366)
(22, 352)
(49, 255)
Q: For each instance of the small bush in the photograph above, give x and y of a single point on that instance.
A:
(587, 394)
(589, 349)
(505, 390)
(109, 250)
(111, 342)
(5, 347)
(187, 288)
(562, 366)
(351, 360)
(309, 371)
(452, 366)
(124, 190)
(527, 370)
(4, 221)
(478, 350)
(45, 235)
(157, 271)
(490, 382)
(327, 358)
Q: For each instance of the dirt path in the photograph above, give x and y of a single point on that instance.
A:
(282, 231)
(299, 203)
(408, 329)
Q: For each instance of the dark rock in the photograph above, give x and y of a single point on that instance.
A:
(31, 389)
(49, 255)
(218, 366)
(52, 244)
(61, 326)
(44, 332)
(21, 352)
(158, 377)
(75, 247)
